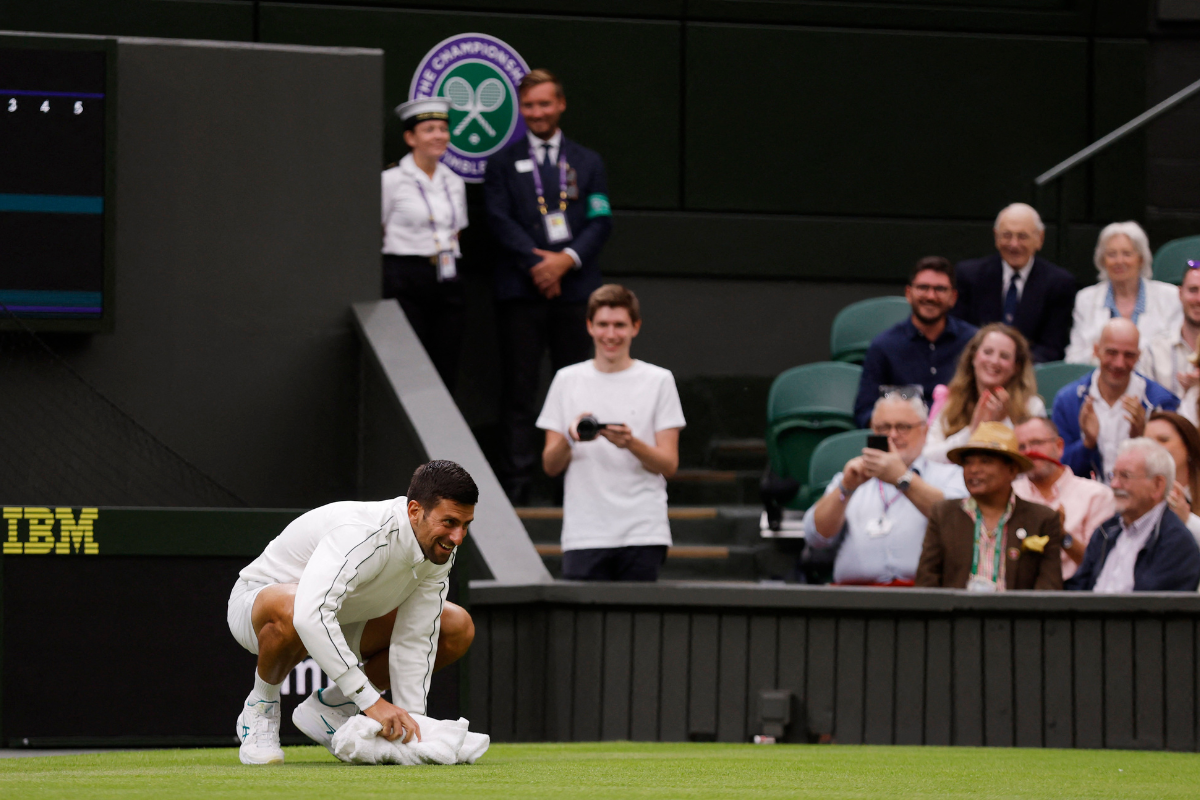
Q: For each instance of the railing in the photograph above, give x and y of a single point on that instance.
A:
(1056, 172)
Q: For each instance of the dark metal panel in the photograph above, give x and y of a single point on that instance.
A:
(1089, 683)
(560, 674)
(939, 682)
(910, 681)
(731, 705)
(617, 654)
(643, 705)
(792, 668)
(481, 670)
(998, 682)
(848, 706)
(702, 686)
(504, 657)
(1057, 673)
(761, 664)
(676, 633)
(1027, 682)
(1118, 684)
(822, 678)
(1148, 683)
(530, 710)
(968, 686)
(880, 686)
(1179, 674)
(589, 645)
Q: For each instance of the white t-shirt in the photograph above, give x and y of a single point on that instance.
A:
(610, 499)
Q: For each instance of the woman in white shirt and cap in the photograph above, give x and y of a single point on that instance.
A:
(1125, 289)
(424, 208)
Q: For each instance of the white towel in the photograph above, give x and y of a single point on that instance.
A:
(442, 742)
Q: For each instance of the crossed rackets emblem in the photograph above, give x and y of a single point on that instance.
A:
(476, 102)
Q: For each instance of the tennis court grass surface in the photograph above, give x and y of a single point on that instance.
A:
(621, 770)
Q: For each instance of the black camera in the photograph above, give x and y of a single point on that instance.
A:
(589, 427)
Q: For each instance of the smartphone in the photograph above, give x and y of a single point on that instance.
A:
(877, 442)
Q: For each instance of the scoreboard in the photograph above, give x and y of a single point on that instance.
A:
(56, 179)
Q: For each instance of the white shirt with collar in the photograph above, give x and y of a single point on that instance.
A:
(1114, 427)
(1117, 574)
(1164, 313)
(866, 558)
(555, 143)
(1163, 358)
(1008, 272)
(406, 230)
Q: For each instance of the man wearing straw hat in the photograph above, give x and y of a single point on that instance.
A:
(992, 541)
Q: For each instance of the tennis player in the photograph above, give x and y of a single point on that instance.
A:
(349, 584)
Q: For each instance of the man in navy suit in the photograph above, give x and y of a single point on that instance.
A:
(1017, 287)
(547, 205)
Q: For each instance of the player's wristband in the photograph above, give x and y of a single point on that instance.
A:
(356, 687)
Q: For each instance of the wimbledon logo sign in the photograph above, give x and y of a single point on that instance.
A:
(478, 74)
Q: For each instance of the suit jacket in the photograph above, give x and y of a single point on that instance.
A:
(1170, 561)
(1044, 313)
(950, 542)
(515, 219)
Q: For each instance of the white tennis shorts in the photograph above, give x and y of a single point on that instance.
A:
(241, 605)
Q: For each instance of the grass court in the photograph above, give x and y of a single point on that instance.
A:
(621, 770)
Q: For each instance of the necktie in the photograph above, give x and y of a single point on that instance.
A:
(546, 153)
(1010, 300)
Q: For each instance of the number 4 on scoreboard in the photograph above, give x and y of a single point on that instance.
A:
(45, 107)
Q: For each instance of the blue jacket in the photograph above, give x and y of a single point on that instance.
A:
(516, 221)
(1170, 561)
(1082, 460)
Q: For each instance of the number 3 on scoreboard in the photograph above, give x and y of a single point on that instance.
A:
(12, 104)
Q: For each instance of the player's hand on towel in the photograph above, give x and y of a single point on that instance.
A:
(396, 721)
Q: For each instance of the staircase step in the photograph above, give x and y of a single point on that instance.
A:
(719, 487)
(691, 526)
(737, 454)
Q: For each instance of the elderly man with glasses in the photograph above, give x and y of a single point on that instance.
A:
(1145, 547)
(875, 509)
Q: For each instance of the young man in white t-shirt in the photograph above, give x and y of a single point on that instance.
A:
(615, 499)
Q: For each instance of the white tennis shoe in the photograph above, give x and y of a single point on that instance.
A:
(319, 720)
(258, 731)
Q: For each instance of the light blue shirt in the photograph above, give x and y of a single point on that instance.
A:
(863, 558)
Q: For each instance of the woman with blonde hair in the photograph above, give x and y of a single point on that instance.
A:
(994, 382)
(1125, 288)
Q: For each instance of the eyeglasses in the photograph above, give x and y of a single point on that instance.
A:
(901, 428)
(906, 392)
(925, 288)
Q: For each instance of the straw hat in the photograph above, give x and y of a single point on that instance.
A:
(992, 437)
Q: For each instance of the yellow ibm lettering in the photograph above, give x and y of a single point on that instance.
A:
(76, 535)
(41, 531)
(12, 547)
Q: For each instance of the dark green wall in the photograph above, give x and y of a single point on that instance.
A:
(782, 139)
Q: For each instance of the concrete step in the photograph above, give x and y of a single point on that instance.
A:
(737, 454)
(698, 487)
(687, 562)
(691, 526)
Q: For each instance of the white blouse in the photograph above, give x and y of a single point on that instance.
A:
(406, 229)
(938, 444)
(1162, 316)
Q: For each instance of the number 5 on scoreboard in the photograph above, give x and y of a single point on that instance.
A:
(78, 107)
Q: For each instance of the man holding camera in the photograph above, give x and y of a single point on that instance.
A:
(876, 507)
(613, 424)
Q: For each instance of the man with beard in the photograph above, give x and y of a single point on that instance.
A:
(1145, 547)
(924, 349)
(1170, 360)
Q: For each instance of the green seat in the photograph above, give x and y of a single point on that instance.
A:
(805, 405)
(1170, 262)
(1053, 375)
(858, 323)
(828, 458)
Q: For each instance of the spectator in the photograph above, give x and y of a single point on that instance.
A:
(1182, 441)
(1082, 504)
(1018, 287)
(547, 204)
(994, 383)
(1108, 405)
(615, 501)
(1145, 547)
(1124, 289)
(874, 511)
(923, 349)
(993, 541)
(1170, 359)
(424, 208)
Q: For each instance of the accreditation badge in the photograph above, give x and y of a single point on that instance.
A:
(447, 266)
(879, 527)
(557, 228)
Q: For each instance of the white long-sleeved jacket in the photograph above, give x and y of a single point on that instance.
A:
(355, 562)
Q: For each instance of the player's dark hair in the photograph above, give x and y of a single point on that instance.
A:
(442, 480)
(935, 263)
